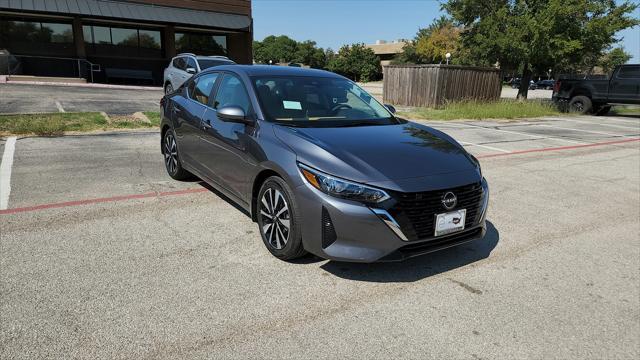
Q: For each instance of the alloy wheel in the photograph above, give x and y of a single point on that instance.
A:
(276, 220)
(170, 153)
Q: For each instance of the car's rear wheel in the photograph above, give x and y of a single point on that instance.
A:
(171, 158)
(278, 219)
(168, 89)
(580, 104)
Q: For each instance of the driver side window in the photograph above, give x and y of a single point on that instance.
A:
(232, 93)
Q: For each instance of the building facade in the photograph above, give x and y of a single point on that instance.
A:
(118, 40)
(387, 51)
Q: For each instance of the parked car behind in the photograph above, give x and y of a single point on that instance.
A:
(183, 66)
(597, 96)
(545, 84)
(515, 84)
(321, 165)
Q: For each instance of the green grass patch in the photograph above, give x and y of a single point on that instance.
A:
(154, 117)
(59, 123)
(625, 110)
(504, 109)
(51, 124)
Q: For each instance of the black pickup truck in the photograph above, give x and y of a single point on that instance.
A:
(597, 96)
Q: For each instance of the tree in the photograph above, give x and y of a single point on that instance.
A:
(309, 54)
(442, 40)
(411, 54)
(613, 58)
(534, 35)
(356, 62)
(275, 49)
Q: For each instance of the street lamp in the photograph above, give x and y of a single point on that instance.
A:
(447, 55)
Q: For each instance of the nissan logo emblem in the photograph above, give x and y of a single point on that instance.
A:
(449, 200)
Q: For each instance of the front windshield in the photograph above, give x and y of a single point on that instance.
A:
(318, 101)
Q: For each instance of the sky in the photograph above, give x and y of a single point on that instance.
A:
(333, 23)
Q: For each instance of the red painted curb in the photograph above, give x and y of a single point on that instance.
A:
(102, 200)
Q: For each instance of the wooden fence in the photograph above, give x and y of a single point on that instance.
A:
(434, 85)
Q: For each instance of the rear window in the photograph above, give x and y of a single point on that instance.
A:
(206, 64)
(629, 72)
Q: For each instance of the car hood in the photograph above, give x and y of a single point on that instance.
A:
(375, 154)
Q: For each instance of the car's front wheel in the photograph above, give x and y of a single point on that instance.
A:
(171, 159)
(278, 219)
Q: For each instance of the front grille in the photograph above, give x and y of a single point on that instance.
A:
(416, 212)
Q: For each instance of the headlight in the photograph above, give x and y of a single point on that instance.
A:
(342, 188)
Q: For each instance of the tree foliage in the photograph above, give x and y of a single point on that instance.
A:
(613, 58)
(282, 49)
(356, 62)
(274, 49)
(442, 40)
(534, 35)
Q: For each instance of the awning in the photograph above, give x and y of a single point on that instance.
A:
(131, 11)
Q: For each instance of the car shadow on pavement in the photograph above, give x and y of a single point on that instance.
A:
(419, 267)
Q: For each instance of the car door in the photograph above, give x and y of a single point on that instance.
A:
(226, 142)
(625, 85)
(189, 113)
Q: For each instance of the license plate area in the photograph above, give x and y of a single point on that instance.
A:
(451, 222)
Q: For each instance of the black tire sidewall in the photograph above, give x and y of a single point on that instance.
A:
(180, 173)
(586, 104)
(293, 248)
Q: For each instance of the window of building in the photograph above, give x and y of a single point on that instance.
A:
(34, 37)
(201, 43)
(116, 41)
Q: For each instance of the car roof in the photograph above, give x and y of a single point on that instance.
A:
(275, 70)
(221, 58)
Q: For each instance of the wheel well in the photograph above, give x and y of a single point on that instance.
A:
(581, 92)
(162, 132)
(257, 183)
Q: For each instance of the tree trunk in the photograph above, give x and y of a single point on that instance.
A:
(523, 91)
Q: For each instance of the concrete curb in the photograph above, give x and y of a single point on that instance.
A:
(88, 85)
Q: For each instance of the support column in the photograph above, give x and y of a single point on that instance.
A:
(169, 35)
(78, 38)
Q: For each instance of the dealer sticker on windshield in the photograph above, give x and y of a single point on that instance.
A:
(450, 222)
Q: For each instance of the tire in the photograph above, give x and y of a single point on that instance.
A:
(602, 110)
(282, 242)
(171, 157)
(168, 89)
(580, 104)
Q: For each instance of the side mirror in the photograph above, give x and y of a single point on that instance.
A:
(191, 71)
(390, 108)
(234, 114)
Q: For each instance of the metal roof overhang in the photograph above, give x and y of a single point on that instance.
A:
(124, 10)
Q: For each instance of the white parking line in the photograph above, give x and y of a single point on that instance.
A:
(625, 121)
(484, 146)
(59, 106)
(587, 131)
(600, 124)
(5, 172)
(537, 137)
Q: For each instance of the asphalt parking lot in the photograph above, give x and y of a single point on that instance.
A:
(102, 255)
(28, 98)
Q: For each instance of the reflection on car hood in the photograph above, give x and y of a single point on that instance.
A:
(376, 153)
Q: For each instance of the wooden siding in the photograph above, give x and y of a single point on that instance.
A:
(242, 7)
(434, 85)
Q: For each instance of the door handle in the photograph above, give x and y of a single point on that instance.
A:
(206, 125)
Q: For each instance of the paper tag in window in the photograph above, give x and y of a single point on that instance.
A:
(292, 105)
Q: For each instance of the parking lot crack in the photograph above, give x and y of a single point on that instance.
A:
(467, 287)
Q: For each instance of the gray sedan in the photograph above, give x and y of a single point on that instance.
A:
(321, 166)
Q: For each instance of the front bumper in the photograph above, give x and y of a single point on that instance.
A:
(364, 236)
